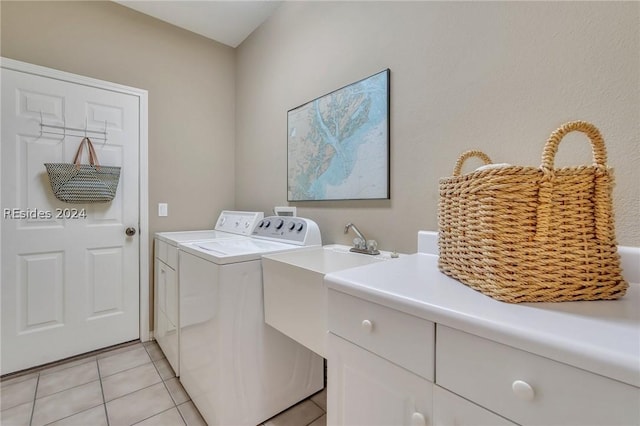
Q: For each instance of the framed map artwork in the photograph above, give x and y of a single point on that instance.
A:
(338, 144)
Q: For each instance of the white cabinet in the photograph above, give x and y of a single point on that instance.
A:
(368, 390)
(530, 389)
(380, 365)
(166, 302)
(386, 367)
(404, 339)
(449, 409)
(482, 362)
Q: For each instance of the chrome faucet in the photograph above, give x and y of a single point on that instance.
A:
(361, 244)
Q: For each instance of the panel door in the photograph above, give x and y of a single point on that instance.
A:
(70, 282)
(365, 389)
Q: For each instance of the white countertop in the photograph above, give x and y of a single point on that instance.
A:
(601, 336)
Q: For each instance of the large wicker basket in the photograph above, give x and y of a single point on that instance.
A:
(526, 234)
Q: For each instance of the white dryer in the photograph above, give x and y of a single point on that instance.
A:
(237, 369)
(230, 224)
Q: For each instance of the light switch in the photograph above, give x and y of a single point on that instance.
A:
(163, 209)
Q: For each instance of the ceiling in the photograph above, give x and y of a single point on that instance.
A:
(228, 22)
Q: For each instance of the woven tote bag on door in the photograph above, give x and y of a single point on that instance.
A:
(83, 183)
(526, 234)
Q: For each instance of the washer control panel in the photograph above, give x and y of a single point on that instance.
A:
(241, 223)
(293, 230)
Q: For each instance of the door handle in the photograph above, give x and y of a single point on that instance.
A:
(130, 231)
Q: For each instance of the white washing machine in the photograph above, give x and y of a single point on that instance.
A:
(230, 224)
(237, 369)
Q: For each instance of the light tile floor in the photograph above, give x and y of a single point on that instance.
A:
(129, 385)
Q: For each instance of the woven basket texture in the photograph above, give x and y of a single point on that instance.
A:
(527, 234)
(89, 184)
(83, 183)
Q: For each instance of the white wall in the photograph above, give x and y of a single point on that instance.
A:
(496, 76)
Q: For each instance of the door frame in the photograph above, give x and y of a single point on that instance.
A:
(143, 167)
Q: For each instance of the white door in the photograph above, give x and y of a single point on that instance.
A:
(70, 284)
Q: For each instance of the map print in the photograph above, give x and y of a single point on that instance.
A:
(338, 144)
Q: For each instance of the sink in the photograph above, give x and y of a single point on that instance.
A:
(326, 259)
(295, 297)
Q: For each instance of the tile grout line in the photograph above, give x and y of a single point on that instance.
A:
(104, 403)
(62, 367)
(63, 390)
(73, 359)
(128, 369)
(71, 415)
(33, 406)
(311, 422)
(66, 389)
(132, 392)
(87, 409)
(156, 414)
(165, 386)
(317, 405)
(39, 372)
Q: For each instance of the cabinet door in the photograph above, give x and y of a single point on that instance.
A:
(159, 298)
(166, 312)
(364, 389)
(171, 301)
(449, 409)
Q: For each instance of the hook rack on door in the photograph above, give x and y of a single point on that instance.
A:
(73, 130)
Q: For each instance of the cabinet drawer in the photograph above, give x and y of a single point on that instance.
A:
(403, 339)
(527, 388)
(166, 253)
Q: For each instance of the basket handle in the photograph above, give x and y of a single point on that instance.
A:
(93, 157)
(602, 195)
(466, 155)
(597, 143)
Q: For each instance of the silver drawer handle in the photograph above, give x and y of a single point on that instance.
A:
(523, 390)
(367, 326)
